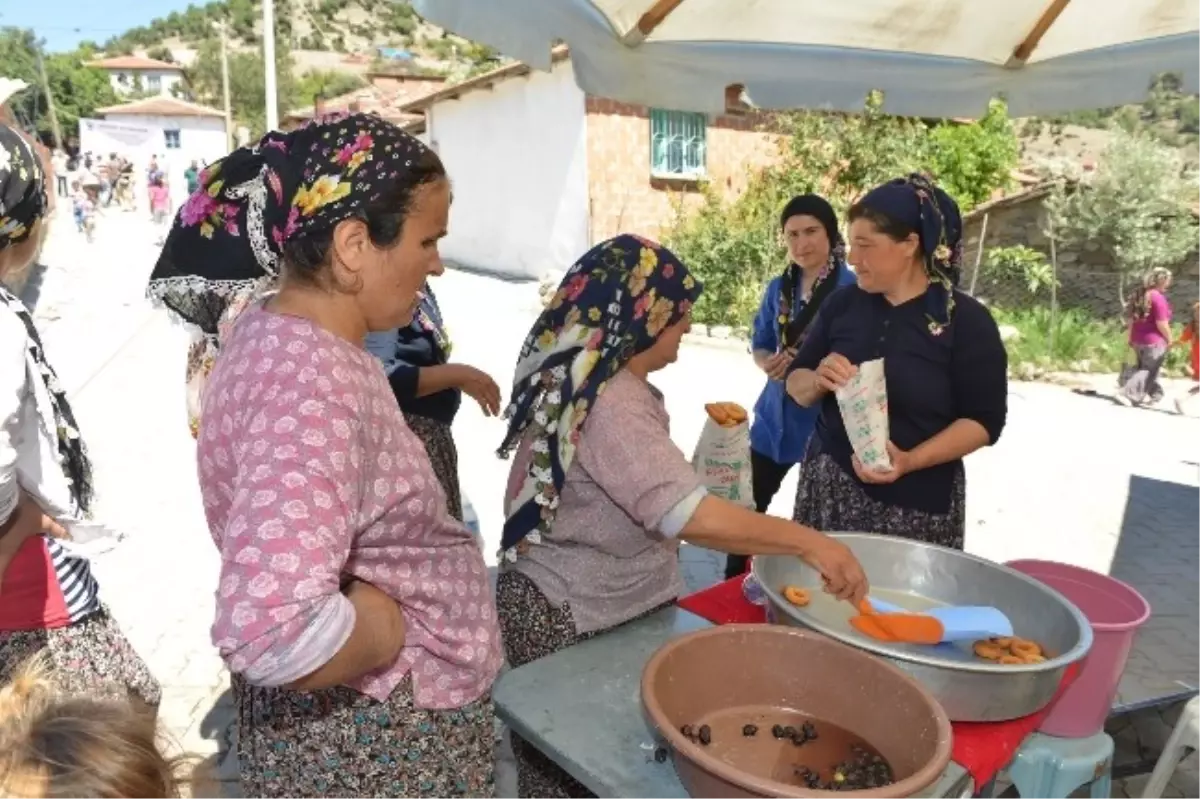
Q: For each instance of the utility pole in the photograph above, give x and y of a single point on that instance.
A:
(268, 34)
(49, 100)
(225, 88)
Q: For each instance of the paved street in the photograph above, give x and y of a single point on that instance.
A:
(1074, 478)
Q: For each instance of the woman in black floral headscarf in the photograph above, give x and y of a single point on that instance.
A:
(49, 600)
(355, 614)
(944, 364)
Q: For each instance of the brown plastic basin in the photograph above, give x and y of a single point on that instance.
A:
(756, 673)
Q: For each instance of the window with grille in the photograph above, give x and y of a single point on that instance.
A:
(154, 83)
(171, 138)
(677, 144)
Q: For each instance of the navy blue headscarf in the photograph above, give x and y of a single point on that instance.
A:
(613, 303)
(916, 202)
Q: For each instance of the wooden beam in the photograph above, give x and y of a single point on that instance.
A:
(1024, 50)
(653, 17)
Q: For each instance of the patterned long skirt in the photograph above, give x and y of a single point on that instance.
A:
(443, 456)
(338, 742)
(830, 500)
(533, 628)
(90, 658)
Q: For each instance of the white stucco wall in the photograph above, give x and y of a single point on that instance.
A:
(166, 79)
(517, 156)
(200, 138)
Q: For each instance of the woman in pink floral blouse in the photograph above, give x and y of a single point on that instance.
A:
(353, 611)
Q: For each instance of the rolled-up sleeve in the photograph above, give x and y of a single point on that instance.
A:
(280, 611)
(980, 370)
(13, 377)
(627, 450)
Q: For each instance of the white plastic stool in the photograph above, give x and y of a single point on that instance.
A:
(1185, 736)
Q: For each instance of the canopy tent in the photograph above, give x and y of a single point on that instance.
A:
(932, 58)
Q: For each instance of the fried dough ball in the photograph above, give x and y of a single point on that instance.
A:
(796, 595)
(1022, 647)
(988, 650)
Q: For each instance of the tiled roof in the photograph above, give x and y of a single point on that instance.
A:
(133, 62)
(162, 106)
(484, 81)
(385, 101)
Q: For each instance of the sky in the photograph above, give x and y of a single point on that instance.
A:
(66, 23)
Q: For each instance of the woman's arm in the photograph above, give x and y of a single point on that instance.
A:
(959, 440)
(801, 380)
(803, 388)
(282, 617)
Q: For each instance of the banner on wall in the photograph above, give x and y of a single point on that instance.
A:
(116, 132)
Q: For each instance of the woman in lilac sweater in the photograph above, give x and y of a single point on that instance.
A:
(1149, 316)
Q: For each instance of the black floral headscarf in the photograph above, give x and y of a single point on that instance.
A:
(22, 204)
(226, 241)
(612, 304)
(934, 215)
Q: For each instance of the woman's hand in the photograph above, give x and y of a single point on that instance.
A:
(841, 571)
(834, 371)
(902, 464)
(776, 365)
(481, 388)
(27, 520)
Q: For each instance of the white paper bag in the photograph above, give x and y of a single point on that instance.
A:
(722, 459)
(864, 407)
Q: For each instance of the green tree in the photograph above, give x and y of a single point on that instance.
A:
(326, 83)
(247, 97)
(161, 53)
(1137, 207)
(734, 246)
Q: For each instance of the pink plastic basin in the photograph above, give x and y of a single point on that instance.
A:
(1115, 611)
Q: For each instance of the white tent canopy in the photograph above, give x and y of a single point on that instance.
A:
(936, 58)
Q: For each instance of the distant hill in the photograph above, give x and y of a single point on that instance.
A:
(345, 35)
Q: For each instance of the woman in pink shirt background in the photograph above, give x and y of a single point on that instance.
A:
(355, 614)
(1149, 316)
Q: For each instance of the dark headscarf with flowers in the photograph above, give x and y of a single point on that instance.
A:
(920, 205)
(226, 241)
(612, 304)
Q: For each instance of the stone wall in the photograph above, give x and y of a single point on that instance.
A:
(624, 198)
(1086, 275)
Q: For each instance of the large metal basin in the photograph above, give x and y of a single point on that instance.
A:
(918, 576)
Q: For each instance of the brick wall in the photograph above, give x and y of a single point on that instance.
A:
(623, 196)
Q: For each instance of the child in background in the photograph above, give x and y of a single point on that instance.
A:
(160, 202)
(1190, 335)
(79, 201)
(55, 745)
(86, 205)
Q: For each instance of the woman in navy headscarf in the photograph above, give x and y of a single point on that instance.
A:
(944, 363)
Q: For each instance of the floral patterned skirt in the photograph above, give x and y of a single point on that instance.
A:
(533, 628)
(443, 456)
(338, 742)
(829, 499)
(90, 658)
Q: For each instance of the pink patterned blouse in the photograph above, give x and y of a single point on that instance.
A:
(309, 473)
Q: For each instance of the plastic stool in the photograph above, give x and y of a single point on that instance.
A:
(1184, 737)
(1056, 767)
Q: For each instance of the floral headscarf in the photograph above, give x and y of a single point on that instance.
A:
(22, 203)
(612, 304)
(934, 215)
(22, 188)
(227, 238)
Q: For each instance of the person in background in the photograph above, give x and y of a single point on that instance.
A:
(191, 177)
(160, 204)
(79, 205)
(1190, 336)
(49, 598)
(429, 388)
(55, 744)
(816, 269)
(945, 367)
(599, 496)
(355, 614)
(59, 162)
(1149, 315)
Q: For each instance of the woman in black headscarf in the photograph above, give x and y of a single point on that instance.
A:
(816, 269)
(944, 364)
(49, 600)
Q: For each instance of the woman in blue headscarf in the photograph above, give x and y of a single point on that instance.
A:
(599, 497)
(944, 363)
